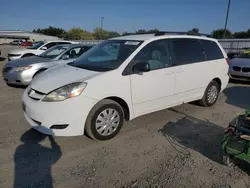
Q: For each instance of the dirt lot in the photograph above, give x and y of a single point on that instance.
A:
(171, 148)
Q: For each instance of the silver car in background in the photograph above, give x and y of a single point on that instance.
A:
(22, 71)
(239, 67)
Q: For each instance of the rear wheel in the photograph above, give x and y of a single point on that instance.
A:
(211, 94)
(104, 120)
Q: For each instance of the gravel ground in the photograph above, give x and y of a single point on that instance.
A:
(170, 148)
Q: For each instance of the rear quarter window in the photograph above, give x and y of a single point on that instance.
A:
(212, 50)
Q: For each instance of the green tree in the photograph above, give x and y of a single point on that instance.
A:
(125, 33)
(77, 33)
(100, 34)
(113, 34)
(241, 35)
(194, 31)
(51, 31)
(219, 34)
(153, 31)
(141, 31)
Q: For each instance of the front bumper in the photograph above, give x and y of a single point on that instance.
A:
(239, 75)
(71, 113)
(11, 58)
(18, 78)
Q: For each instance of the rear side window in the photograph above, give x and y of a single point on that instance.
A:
(186, 51)
(211, 50)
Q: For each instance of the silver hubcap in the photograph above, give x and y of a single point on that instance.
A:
(212, 94)
(107, 121)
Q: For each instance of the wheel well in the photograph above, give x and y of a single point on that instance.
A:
(123, 105)
(37, 72)
(218, 81)
(28, 54)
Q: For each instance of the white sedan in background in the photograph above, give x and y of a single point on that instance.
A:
(22, 71)
(36, 49)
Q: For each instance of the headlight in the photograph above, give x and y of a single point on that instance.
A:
(65, 92)
(17, 69)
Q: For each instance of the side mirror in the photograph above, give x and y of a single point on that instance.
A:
(44, 48)
(141, 67)
(65, 57)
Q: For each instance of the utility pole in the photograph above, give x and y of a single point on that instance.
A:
(225, 28)
(102, 27)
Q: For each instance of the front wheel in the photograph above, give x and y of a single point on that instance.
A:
(211, 94)
(104, 120)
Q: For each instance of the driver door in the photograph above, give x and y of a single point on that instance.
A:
(153, 90)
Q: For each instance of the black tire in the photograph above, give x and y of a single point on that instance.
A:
(27, 55)
(90, 126)
(205, 99)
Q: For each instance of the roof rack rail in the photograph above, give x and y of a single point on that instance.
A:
(160, 33)
(180, 33)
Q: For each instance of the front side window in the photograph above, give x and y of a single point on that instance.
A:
(53, 52)
(185, 51)
(108, 55)
(36, 45)
(76, 52)
(155, 54)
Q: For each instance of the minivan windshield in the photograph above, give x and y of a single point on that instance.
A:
(36, 45)
(53, 52)
(107, 55)
(244, 55)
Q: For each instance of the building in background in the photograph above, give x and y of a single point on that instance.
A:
(7, 36)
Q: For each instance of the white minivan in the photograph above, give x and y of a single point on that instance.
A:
(123, 78)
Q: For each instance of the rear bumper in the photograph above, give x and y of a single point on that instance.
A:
(224, 83)
(71, 113)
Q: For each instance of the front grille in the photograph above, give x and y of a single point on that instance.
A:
(246, 69)
(240, 77)
(7, 69)
(235, 68)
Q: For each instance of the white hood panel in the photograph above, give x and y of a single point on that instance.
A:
(59, 76)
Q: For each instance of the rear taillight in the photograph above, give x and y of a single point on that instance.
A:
(228, 61)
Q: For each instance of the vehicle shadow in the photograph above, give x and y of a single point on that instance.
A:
(2, 58)
(17, 86)
(238, 96)
(198, 135)
(33, 161)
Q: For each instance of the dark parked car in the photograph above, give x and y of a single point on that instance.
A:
(232, 55)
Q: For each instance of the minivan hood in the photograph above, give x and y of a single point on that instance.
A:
(240, 62)
(60, 76)
(21, 51)
(27, 61)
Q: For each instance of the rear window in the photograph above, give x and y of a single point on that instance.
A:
(211, 50)
(186, 51)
